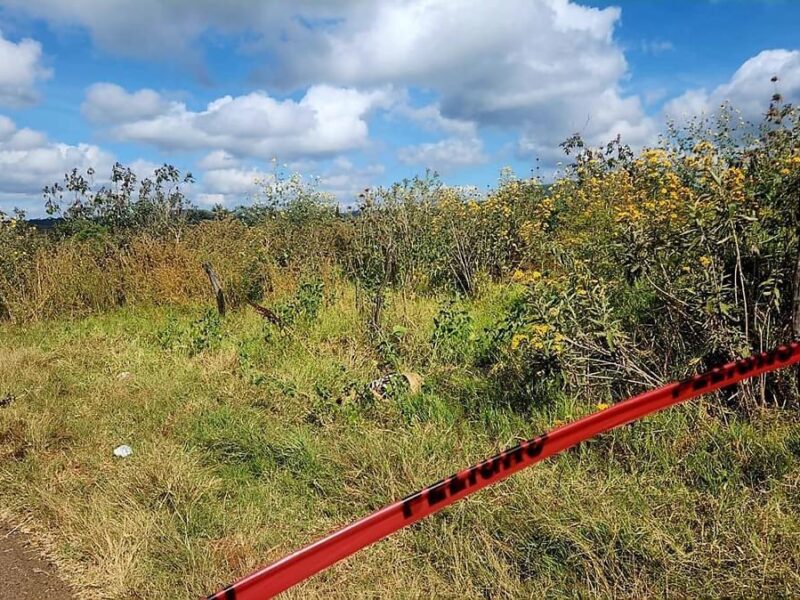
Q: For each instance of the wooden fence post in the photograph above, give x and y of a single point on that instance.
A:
(216, 287)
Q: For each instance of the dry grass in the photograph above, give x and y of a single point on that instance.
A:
(75, 277)
(242, 453)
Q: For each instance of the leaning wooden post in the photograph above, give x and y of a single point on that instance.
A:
(216, 287)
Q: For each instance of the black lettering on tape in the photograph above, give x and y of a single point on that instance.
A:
(437, 492)
(410, 501)
(456, 485)
(440, 490)
(534, 447)
(487, 468)
(473, 475)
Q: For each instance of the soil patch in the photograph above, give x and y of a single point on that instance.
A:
(24, 574)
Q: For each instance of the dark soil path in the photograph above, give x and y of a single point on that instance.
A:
(24, 575)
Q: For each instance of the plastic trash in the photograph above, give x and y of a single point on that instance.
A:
(123, 451)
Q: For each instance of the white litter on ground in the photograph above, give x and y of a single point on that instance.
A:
(123, 451)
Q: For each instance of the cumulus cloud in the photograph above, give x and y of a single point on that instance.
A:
(155, 29)
(239, 182)
(28, 161)
(538, 66)
(496, 63)
(611, 115)
(207, 200)
(546, 68)
(325, 120)
(749, 90)
(346, 180)
(444, 155)
(462, 146)
(20, 69)
(218, 159)
(231, 182)
(109, 103)
(430, 118)
(226, 180)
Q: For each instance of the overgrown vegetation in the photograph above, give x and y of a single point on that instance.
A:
(521, 309)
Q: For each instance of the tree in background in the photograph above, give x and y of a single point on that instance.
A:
(156, 203)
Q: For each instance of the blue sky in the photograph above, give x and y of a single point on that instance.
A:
(364, 93)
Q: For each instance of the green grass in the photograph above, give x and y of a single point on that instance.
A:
(250, 442)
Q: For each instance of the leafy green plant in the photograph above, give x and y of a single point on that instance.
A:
(157, 204)
(205, 333)
(390, 346)
(304, 305)
(172, 335)
(453, 333)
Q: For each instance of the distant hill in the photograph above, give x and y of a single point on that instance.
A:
(45, 224)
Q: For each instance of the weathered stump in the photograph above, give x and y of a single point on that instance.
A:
(216, 287)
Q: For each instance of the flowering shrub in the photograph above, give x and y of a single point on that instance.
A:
(630, 267)
(688, 251)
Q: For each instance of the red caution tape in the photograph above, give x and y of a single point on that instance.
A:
(340, 544)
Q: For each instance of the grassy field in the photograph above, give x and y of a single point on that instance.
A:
(250, 441)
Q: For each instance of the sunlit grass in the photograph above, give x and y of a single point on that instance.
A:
(263, 441)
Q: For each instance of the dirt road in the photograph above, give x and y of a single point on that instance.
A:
(24, 575)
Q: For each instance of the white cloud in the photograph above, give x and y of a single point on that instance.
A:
(326, 120)
(218, 159)
(430, 117)
(157, 29)
(346, 180)
(28, 161)
(537, 66)
(226, 180)
(209, 200)
(444, 155)
(611, 115)
(143, 168)
(546, 68)
(233, 182)
(749, 89)
(542, 68)
(654, 95)
(109, 103)
(462, 146)
(235, 185)
(494, 62)
(20, 69)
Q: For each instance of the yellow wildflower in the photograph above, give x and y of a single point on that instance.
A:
(541, 329)
(517, 340)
